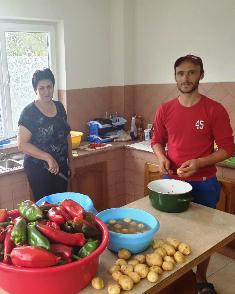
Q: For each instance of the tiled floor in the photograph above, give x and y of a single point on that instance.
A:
(221, 273)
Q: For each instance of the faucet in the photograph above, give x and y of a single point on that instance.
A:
(3, 156)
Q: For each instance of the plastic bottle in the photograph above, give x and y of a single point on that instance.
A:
(133, 132)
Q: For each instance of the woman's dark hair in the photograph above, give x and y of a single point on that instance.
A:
(45, 74)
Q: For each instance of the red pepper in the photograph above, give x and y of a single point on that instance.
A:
(50, 224)
(33, 257)
(76, 239)
(8, 245)
(55, 216)
(64, 251)
(64, 213)
(3, 215)
(12, 214)
(73, 208)
(46, 205)
(2, 234)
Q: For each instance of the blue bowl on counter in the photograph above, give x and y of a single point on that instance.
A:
(135, 243)
(84, 200)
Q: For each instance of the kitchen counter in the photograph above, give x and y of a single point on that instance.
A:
(140, 146)
(206, 230)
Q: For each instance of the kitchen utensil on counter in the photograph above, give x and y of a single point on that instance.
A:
(170, 195)
(68, 278)
(133, 242)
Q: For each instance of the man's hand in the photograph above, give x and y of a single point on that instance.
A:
(164, 165)
(189, 168)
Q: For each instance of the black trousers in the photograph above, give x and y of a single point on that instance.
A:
(44, 183)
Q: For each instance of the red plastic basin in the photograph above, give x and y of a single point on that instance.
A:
(64, 279)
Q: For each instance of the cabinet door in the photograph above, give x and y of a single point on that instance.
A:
(20, 190)
(6, 200)
(91, 180)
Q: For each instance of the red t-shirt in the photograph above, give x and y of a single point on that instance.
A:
(190, 132)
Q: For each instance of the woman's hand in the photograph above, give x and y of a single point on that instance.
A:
(53, 166)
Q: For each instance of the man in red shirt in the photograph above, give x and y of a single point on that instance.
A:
(189, 125)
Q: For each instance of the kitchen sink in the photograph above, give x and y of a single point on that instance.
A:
(9, 164)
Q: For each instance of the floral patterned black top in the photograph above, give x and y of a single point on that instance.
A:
(48, 133)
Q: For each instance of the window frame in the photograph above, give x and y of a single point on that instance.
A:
(5, 99)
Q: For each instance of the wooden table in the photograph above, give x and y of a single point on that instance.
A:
(205, 229)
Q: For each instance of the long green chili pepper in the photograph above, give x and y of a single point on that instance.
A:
(35, 238)
(30, 210)
(5, 224)
(18, 233)
(88, 248)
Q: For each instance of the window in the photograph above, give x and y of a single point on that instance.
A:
(24, 48)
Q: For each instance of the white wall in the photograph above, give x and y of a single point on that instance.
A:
(167, 29)
(84, 37)
(116, 42)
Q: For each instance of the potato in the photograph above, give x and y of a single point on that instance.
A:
(153, 259)
(142, 270)
(126, 268)
(97, 283)
(156, 268)
(114, 289)
(170, 250)
(169, 258)
(161, 251)
(124, 254)
(134, 276)
(184, 248)
(112, 221)
(114, 268)
(116, 275)
(157, 243)
(133, 262)
(127, 220)
(179, 257)
(152, 277)
(179, 172)
(140, 257)
(126, 282)
(173, 242)
(167, 266)
(120, 261)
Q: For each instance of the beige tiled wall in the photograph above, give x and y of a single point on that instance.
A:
(85, 104)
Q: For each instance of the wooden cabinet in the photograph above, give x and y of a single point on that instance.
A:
(14, 189)
(91, 180)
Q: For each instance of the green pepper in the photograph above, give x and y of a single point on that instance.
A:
(68, 227)
(5, 224)
(18, 233)
(30, 210)
(35, 238)
(88, 248)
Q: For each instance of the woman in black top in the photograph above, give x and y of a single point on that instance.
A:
(44, 137)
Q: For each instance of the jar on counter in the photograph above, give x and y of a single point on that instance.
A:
(147, 134)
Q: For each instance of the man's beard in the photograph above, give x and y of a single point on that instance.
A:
(195, 87)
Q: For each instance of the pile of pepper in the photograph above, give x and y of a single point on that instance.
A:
(46, 235)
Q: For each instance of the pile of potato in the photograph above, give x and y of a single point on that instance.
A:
(129, 269)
